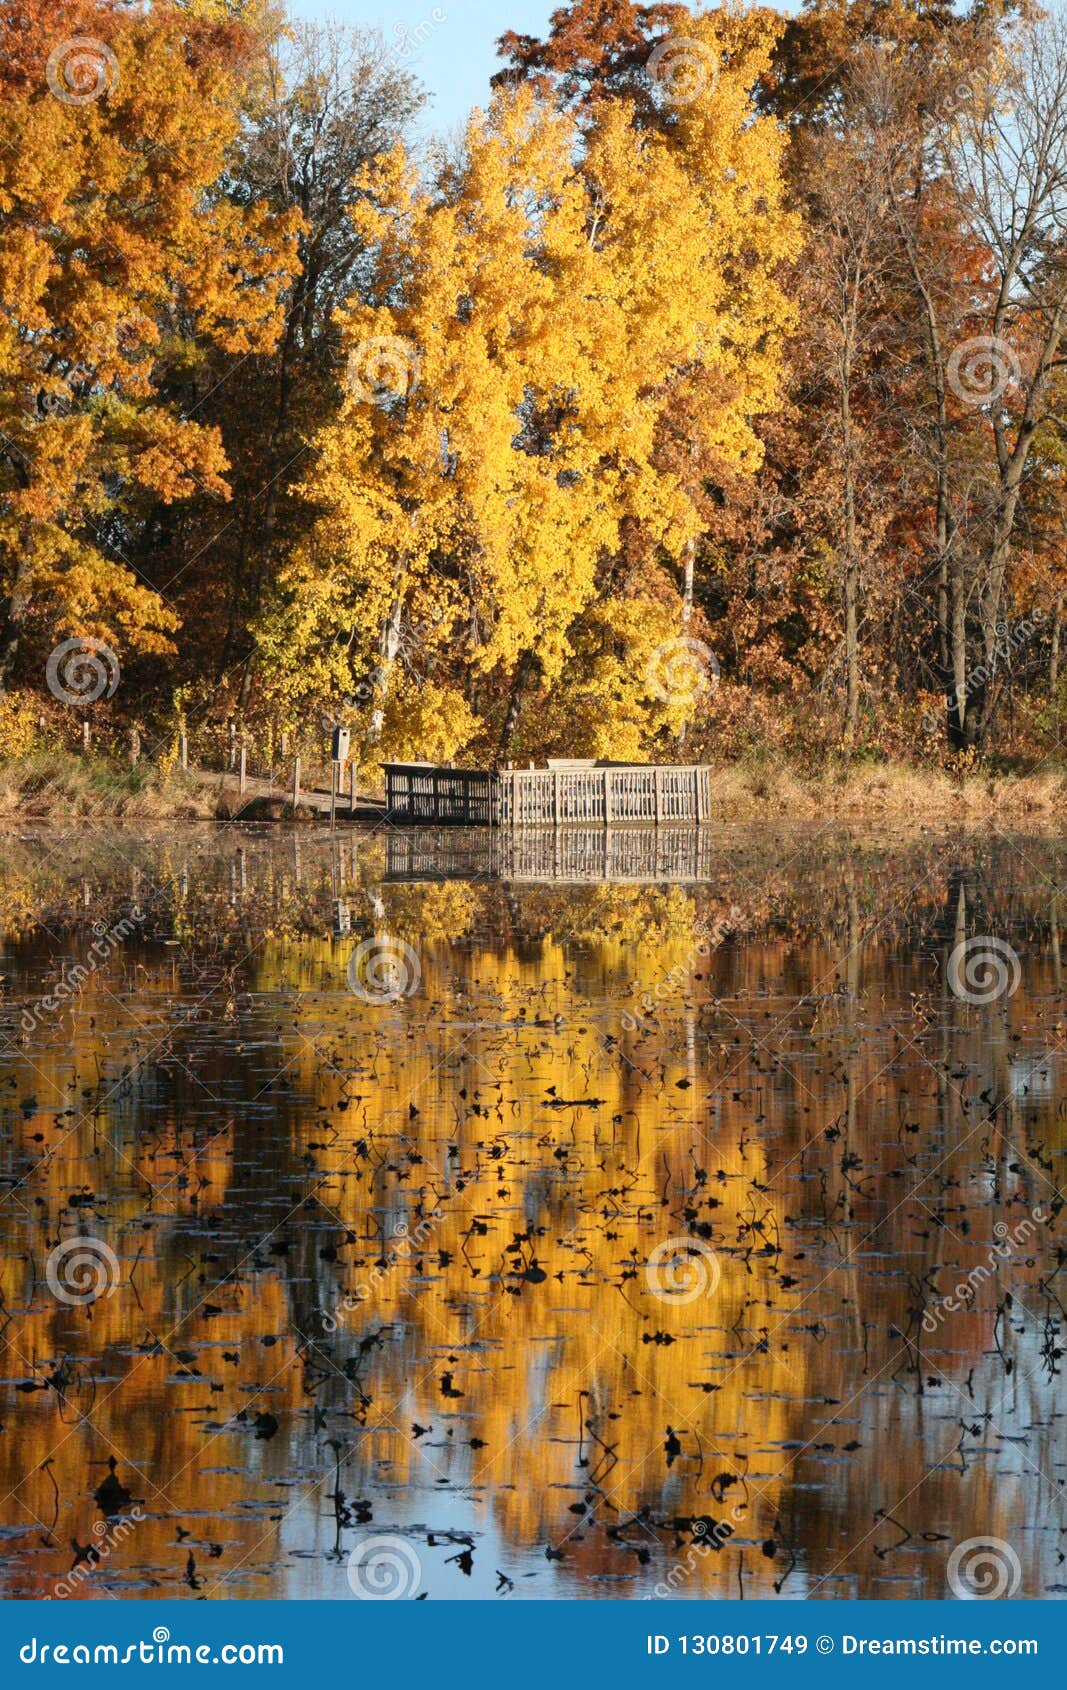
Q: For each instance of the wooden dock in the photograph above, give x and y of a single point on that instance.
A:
(565, 794)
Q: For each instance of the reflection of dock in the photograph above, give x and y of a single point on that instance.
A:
(640, 856)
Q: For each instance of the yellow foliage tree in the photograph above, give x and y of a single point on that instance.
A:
(539, 318)
(117, 250)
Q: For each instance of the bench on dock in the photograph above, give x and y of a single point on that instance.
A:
(565, 794)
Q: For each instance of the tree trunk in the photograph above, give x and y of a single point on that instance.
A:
(957, 699)
(852, 649)
(688, 582)
(388, 647)
(850, 582)
(993, 597)
(935, 356)
(688, 596)
(12, 617)
(524, 674)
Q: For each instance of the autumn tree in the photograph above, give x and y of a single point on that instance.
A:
(119, 246)
(538, 317)
(1005, 150)
(595, 50)
(327, 102)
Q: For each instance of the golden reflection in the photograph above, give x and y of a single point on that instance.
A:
(617, 1256)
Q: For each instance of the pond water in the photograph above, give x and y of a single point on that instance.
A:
(373, 1223)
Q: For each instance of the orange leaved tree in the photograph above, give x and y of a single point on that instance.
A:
(119, 249)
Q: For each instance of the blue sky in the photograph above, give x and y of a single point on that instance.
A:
(454, 58)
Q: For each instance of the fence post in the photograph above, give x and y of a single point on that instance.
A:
(555, 798)
(296, 782)
(135, 747)
(232, 725)
(607, 797)
(698, 796)
(85, 736)
(183, 750)
(352, 789)
(242, 770)
(659, 796)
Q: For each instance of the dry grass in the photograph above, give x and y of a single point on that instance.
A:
(54, 786)
(890, 792)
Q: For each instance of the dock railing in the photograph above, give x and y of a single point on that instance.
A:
(421, 792)
(566, 794)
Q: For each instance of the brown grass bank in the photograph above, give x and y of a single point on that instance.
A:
(895, 792)
(57, 787)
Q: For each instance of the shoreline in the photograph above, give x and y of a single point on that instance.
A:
(59, 789)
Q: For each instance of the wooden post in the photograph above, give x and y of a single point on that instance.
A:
(232, 725)
(296, 782)
(555, 798)
(183, 750)
(352, 789)
(135, 747)
(607, 798)
(242, 770)
(659, 796)
(85, 737)
(699, 796)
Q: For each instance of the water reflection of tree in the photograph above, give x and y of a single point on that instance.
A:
(790, 1094)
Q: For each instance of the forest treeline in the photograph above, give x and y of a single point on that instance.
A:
(704, 396)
